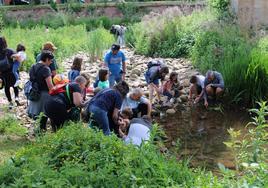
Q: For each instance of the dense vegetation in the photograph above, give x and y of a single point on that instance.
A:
(213, 41)
(69, 40)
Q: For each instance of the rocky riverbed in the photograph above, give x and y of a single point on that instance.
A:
(136, 66)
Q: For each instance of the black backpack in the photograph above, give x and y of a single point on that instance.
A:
(31, 88)
(4, 64)
(155, 63)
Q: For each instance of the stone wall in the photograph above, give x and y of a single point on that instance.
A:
(251, 13)
(109, 10)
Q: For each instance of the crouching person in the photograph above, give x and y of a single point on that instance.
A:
(213, 85)
(139, 130)
(58, 106)
(105, 105)
(137, 103)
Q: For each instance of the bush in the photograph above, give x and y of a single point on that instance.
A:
(78, 156)
(10, 126)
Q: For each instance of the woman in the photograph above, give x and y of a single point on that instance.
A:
(58, 106)
(105, 106)
(6, 74)
(42, 76)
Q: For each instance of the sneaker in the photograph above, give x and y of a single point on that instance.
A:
(17, 83)
(17, 101)
(10, 106)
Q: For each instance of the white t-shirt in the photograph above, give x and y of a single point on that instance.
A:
(129, 103)
(137, 134)
(22, 56)
(200, 80)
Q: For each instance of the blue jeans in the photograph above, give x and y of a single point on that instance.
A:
(101, 117)
(114, 78)
(15, 69)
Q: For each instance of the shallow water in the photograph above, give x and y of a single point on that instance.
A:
(201, 134)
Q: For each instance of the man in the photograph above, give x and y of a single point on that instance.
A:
(115, 60)
(137, 102)
(53, 66)
(213, 86)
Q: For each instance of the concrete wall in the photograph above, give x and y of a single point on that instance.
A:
(251, 13)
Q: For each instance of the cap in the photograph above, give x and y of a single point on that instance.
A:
(115, 47)
(49, 46)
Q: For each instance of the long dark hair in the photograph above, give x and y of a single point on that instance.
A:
(3, 44)
(77, 64)
(20, 47)
(102, 74)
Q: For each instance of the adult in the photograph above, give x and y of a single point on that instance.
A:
(105, 106)
(213, 85)
(58, 106)
(139, 130)
(137, 103)
(41, 75)
(197, 88)
(115, 60)
(49, 46)
(119, 32)
(6, 74)
(157, 70)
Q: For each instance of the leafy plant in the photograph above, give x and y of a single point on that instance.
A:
(9, 125)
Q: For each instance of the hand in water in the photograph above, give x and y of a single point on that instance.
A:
(206, 104)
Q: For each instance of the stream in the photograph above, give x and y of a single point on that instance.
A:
(201, 133)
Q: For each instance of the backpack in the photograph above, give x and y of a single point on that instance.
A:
(113, 30)
(155, 63)
(4, 64)
(31, 87)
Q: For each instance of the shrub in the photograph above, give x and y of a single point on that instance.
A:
(9, 125)
(81, 157)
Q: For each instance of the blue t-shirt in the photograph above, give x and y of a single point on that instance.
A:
(114, 62)
(72, 74)
(130, 103)
(107, 100)
(53, 66)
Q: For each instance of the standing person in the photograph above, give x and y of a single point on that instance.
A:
(115, 60)
(58, 106)
(196, 88)
(105, 106)
(213, 85)
(40, 74)
(53, 66)
(75, 69)
(137, 103)
(103, 81)
(19, 57)
(156, 71)
(7, 77)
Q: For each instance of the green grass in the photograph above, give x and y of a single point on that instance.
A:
(69, 40)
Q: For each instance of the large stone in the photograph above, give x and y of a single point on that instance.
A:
(171, 111)
(184, 98)
(136, 72)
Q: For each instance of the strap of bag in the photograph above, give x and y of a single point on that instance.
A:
(68, 92)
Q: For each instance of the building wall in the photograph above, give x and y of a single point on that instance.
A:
(251, 13)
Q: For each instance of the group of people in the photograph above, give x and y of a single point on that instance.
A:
(114, 107)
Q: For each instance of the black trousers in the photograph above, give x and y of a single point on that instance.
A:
(9, 81)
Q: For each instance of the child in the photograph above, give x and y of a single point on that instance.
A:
(124, 117)
(196, 88)
(19, 57)
(75, 69)
(169, 89)
(103, 78)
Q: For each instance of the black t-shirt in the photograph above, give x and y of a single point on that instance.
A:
(73, 87)
(8, 52)
(41, 72)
